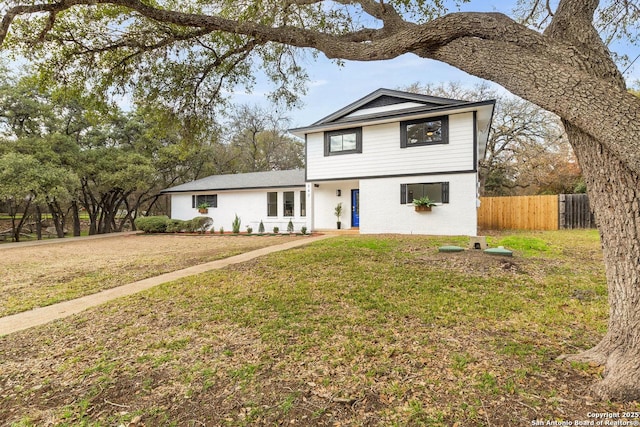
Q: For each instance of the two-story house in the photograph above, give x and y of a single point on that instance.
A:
(374, 157)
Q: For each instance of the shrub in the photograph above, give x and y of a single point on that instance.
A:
(276, 229)
(189, 226)
(290, 227)
(201, 223)
(221, 230)
(152, 224)
(177, 226)
(261, 227)
(303, 230)
(249, 229)
(235, 225)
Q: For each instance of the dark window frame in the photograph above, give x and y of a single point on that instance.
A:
(327, 141)
(404, 197)
(272, 204)
(196, 200)
(444, 126)
(303, 203)
(288, 211)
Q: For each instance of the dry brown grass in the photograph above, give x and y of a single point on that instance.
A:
(35, 276)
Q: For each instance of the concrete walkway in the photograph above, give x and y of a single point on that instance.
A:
(42, 315)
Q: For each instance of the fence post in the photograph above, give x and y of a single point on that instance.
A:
(562, 210)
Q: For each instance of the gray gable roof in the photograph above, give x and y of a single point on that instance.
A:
(383, 97)
(243, 181)
(410, 105)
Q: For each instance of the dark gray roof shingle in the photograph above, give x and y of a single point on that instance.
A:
(243, 181)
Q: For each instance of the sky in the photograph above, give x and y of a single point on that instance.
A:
(333, 87)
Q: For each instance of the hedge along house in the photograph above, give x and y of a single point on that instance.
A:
(378, 154)
(374, 157)
(274, 197)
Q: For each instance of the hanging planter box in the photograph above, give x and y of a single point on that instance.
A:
(423, 208)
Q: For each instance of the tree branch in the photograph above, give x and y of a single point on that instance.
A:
(566, 72)
(364, 45)
(575, 95)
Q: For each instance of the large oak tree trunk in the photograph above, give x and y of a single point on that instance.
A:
(616, 205)
(613, 193)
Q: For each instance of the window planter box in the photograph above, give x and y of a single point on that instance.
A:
(203, 211)
(423, 208)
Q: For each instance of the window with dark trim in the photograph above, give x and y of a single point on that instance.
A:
(303, 203)
(436, 191)
(272, 204)
(200, 199)
(288, 203)
(431, 131)
(344, 141)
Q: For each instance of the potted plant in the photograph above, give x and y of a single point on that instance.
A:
(338, 213)
(203, 208)
(423, 204)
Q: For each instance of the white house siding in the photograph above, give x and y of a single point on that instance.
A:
(382, 155)
(382, 212)
(384, 109)
(249, 205)
(325, 201)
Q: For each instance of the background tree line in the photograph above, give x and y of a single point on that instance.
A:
(71, 156)
(65, 153)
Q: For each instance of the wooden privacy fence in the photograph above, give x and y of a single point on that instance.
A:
(535, 212)
(575, 212)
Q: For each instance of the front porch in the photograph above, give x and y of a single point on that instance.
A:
(325, 196)
(340, 232)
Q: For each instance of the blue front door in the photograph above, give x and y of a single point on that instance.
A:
(355, 208)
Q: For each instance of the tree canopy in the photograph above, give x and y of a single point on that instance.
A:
(62, 151)
(186, 54)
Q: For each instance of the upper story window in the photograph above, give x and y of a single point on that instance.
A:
(344, 141)
(433, 130)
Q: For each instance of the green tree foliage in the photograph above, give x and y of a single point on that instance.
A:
(117, 162)
(27, 182)
(114, 163)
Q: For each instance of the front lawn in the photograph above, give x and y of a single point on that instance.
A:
(37, 276)
(354, 330)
